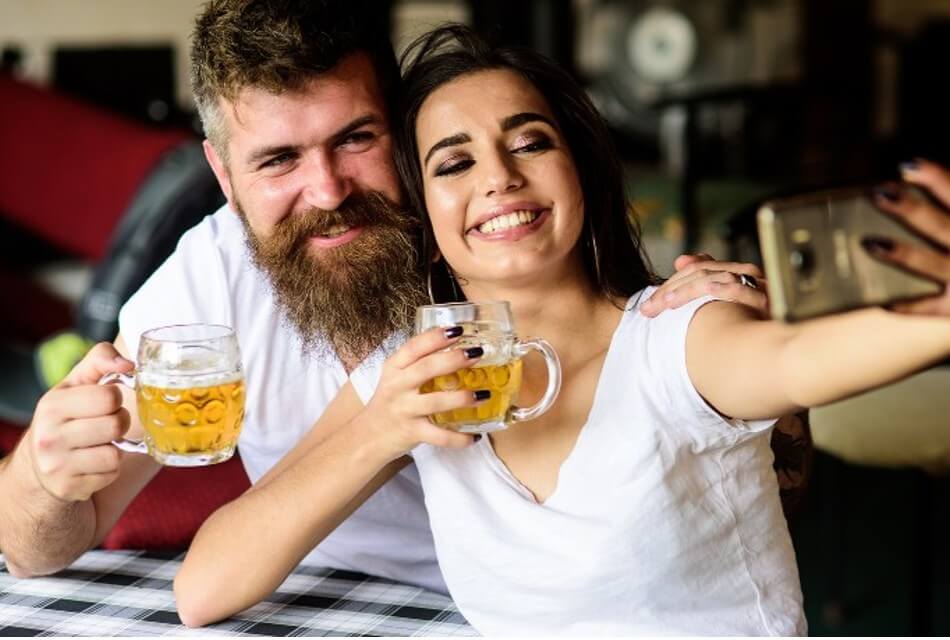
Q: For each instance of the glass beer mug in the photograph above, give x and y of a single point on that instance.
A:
(490, 326)
(189, 391)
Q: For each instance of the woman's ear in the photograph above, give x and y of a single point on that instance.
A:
(436, 255)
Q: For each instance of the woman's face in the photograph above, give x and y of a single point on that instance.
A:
(500, 184)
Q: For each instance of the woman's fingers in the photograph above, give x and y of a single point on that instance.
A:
(921, 260)
(439, 437)
(930, 176)
(427, 404)
(921, 215)
(425, 343)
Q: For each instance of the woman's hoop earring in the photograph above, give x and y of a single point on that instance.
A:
(593, 247)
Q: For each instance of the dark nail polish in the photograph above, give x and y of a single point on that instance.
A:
(453, 332)
(876, 245)
(474, 352)
(477, 437)
(910, 165)
(481, 394)
(890, 193)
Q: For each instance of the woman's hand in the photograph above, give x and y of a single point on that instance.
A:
(700, 274)
(397, 413)
(930, 220)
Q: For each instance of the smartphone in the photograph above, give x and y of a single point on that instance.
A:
(814, 261)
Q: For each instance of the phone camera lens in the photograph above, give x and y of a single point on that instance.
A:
(802, 260)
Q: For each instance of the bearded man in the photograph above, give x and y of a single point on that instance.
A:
(312, 262)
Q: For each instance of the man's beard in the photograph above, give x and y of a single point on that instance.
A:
(352, 296)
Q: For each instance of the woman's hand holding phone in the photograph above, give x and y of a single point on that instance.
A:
(931, 220)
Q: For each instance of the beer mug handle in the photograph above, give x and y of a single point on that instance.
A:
(129, 381)
(521, 348)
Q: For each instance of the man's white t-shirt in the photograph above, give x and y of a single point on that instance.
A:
(210, 278)
(666, 518)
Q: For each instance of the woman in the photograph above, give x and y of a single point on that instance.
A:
(634, 505)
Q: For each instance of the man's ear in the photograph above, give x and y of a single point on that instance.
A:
(220, 171)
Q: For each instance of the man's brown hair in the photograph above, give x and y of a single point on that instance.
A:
(277, 45)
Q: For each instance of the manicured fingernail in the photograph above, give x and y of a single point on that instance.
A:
(910, 165)
(481, 394)
(474, 352)
(453, 332)
(876, 245)
(477, 437)
(889, 193)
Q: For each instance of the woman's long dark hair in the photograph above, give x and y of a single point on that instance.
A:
(611, 249)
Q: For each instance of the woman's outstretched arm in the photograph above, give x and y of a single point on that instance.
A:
(748, 368)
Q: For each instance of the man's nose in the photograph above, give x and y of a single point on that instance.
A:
(326, 185)
(500, 175)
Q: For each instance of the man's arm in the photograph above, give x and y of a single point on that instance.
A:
(65, 485)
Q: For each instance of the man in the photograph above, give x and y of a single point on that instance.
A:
(312, 262)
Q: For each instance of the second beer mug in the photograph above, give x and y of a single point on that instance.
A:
(490, 326)
(189, 391)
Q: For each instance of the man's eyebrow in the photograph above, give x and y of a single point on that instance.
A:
(519, 119)
(451, 141)
(267, 152)
(362, 121)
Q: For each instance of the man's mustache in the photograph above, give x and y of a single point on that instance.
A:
(359, 210)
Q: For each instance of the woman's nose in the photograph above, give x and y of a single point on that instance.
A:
(501, 175)
(326, 185)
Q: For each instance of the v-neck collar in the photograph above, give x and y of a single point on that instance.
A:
(497, 464)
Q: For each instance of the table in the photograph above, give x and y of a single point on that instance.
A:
(129, 593)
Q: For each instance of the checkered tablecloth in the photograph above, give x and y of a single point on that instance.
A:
(125, 593)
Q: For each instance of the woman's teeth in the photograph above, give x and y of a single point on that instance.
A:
(508, 221)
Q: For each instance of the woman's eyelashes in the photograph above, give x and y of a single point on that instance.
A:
(523, 145)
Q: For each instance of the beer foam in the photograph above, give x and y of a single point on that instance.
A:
(185, 379)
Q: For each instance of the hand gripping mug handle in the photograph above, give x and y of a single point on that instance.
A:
(521, 348)
(129, 381)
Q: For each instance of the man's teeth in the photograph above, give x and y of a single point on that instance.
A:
(508, 221)
(336, 230)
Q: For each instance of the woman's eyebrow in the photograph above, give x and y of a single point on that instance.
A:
(519, 119)
(458, 138)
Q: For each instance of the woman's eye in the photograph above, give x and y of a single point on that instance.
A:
(450, 167)
(536, 144)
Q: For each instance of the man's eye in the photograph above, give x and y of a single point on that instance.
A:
(357, 138)
(278, 160)
(451, 167)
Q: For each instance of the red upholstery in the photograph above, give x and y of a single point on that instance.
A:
(169, 511)
(69, 170)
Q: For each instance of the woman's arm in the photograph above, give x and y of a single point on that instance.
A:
(249, 546)
(748, 368)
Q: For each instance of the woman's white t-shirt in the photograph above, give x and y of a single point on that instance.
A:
(666, 518)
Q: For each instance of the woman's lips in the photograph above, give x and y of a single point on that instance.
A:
(513, 233)
(325, 242)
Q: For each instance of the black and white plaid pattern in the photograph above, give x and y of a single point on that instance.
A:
(125, 593)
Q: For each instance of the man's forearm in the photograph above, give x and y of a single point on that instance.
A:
(39, 534)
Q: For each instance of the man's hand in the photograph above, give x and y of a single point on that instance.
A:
(73, 426)
(698, 275)
(930, 220)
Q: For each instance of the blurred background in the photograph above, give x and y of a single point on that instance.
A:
(715, 105)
